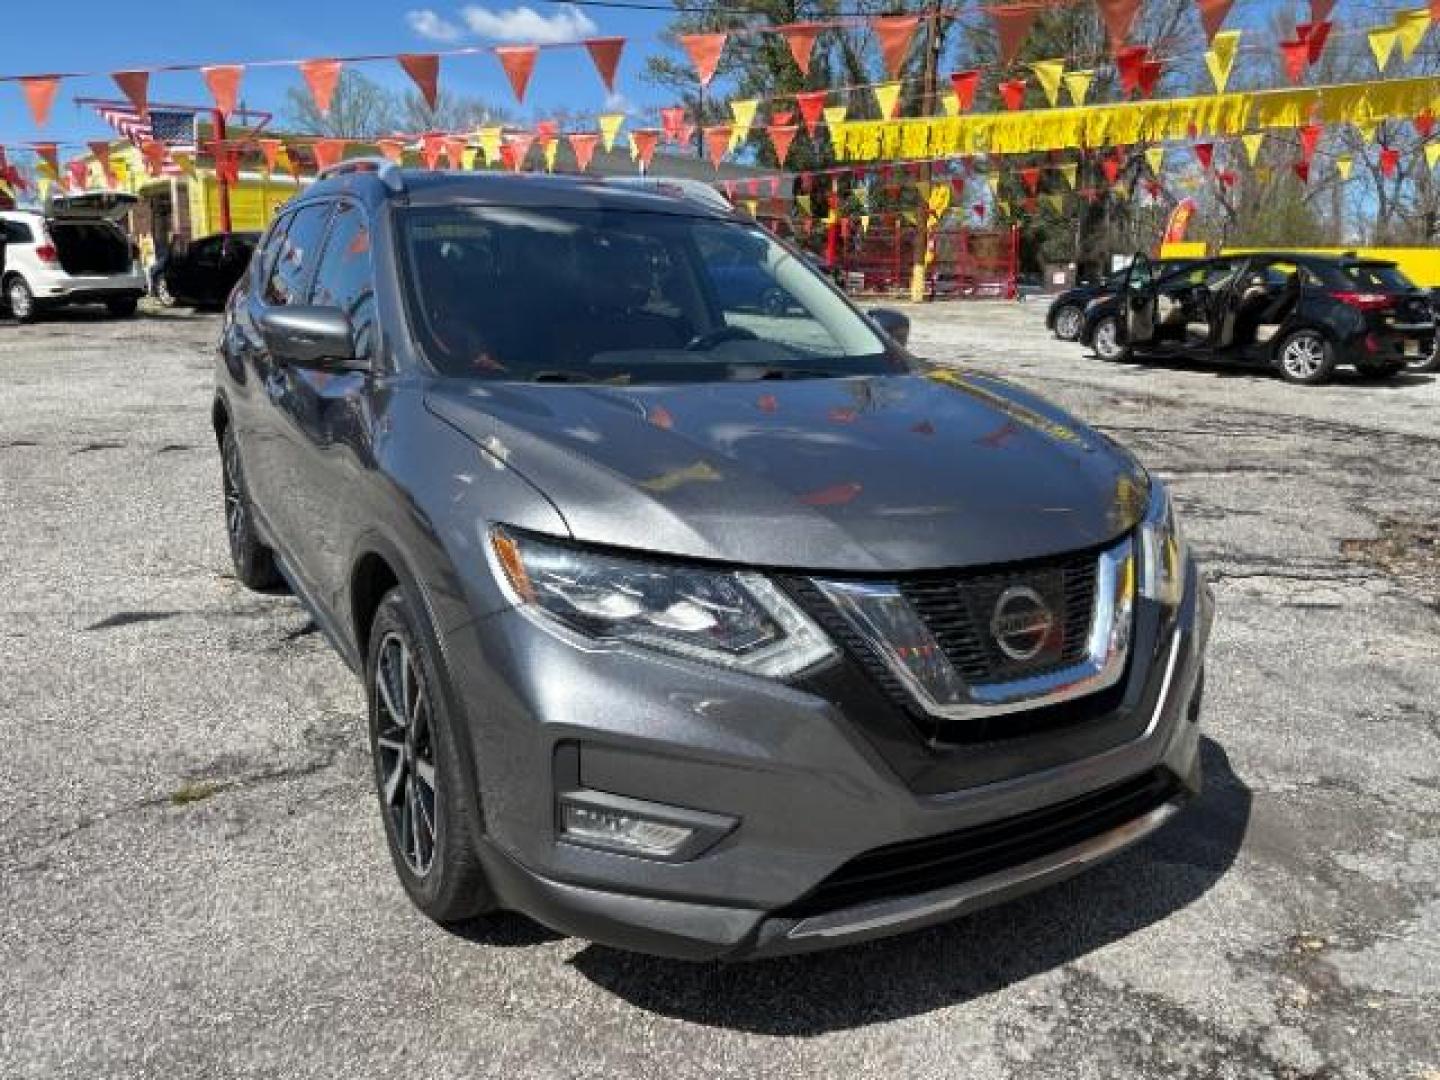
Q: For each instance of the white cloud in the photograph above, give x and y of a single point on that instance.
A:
(618, 102)
(432, 26)
(522, 24)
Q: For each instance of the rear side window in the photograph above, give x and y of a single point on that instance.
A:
(17, 232)
(295, 255)
(1381, 277)
(344, 278)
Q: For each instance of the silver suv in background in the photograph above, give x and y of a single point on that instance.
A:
(72, 252)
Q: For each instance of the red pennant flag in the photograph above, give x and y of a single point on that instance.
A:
(1030, 176)
(811, 104)
(518, 62)
(1128, 62)
(957, 184)
(894, 32)
(782, 117)
(1309, 140)
(1212, 15)
(645, 140)
(671, 120)
(424, 71)
(1389, 161)
(1320, 10)
(965, 84)
(545, 131)
(801, 39)
(79, 174)
(605, 55)
(781, 137)
(154, 154)
(392, 149)
(1012, 93)
(1297, 58)
(270, 150)
(717, 142)
(1315, 35)
(704, 50)
(1012, 24)
(583, 144)
(1204, 154)
(1425, 124)
(1226, 178)
(46, 152)
(431, 147)
(1150, 72)
(507, 156)
(519, 144)
(223, 81)
(687, 134)
(1119, 15)
(1302, 170)
(135, 85)
(99, 148)
(40, 96)
(455, 152)
(1111, 168)
(328, 152)
(321, 76)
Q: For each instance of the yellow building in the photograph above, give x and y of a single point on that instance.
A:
(1420, 264)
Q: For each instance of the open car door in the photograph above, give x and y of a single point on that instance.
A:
(1138, 302)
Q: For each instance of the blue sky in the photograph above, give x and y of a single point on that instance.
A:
(88, 35)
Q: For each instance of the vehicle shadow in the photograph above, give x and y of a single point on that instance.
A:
(957, 962)
(1342, 377)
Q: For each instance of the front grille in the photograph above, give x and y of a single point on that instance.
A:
(957, 609)
(915, 867)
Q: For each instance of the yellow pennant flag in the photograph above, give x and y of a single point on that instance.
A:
(609, 128)
(1253, 142)
(864, 223)
(887, 95)
(551, 149)
(951, 102)
(1048, 74)
(1432, 153)
(1410, 27)
(1071, 173)
(1343, 165)
(993, 179)
(939, 199)
(744, 112)
(835, 115)
(1056, 203)
(1078, 84)
(490, 144)
(1382, 44)
(753, 205)
(1220, 57)
(1155, 158)
(467, 158)
(42, 183)
(1367, 128)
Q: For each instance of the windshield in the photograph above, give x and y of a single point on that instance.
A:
(615, 295)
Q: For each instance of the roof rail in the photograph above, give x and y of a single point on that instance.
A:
(387, 171)
(677, 187)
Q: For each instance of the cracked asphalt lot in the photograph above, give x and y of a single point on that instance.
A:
(193, 881)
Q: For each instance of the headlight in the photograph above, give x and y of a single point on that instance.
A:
(1163, 553)
(736, 620)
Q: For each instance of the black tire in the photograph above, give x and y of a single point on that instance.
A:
(1305, 358)
(1105, 341)
(122, 309)
(21, 300)
(442, 876)
(1069, 321)
(254, 563)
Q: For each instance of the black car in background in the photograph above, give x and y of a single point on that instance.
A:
(1066, 316)
(1302, 314)
(202, 273)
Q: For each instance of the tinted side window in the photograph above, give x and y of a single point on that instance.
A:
(17, 232)
(345, 278)
(295, 255)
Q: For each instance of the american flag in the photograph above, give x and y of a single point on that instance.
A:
(175, 128)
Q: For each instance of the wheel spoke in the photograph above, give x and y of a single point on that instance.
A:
(395, 781)
(426, 774)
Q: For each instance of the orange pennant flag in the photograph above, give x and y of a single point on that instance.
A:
(321, 76)
(801, 39)
(224, 83)
(431, 147)
(135, 85)
(519, 146)
(1212, 16)
(40, 96)
(717, 141)
(811, 103)
(519, 63)
(392, 149)
(455, 152)
(645, 140)
(424, 71)
(328, 152)
(270, 150)
(154, 154)
(47, 152)
(605, 54)
(101, 151)
(1119, 16)
(704, 50)
(782, 136)
(894, 32)
(1012, 24)
(583, 143)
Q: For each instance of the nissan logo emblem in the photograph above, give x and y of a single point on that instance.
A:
(1021, 623)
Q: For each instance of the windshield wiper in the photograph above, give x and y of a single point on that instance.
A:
(563, 377)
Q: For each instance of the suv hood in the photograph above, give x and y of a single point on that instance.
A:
(859, 474)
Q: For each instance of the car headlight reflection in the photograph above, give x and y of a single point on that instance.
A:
(1163, 551)
(734, 619)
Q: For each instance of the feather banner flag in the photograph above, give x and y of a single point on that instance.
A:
(1048, 74)
(704, 51)
(1077, 83)
(1220, 57)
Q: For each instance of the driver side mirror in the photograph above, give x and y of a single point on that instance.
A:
(895, 323)
(308, 336)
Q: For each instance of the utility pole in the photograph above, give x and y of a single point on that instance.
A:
(928, 98)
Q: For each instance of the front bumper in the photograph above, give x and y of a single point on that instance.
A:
(807, 785)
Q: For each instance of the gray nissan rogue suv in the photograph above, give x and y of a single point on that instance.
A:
(694, 627)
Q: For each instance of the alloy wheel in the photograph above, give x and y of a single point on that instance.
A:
(1303, 356)
(235, 511)
(1067, 324)
(405, 753)
(21, 302)
(1107, 344)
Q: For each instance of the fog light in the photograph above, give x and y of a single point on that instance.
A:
(610, 828)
